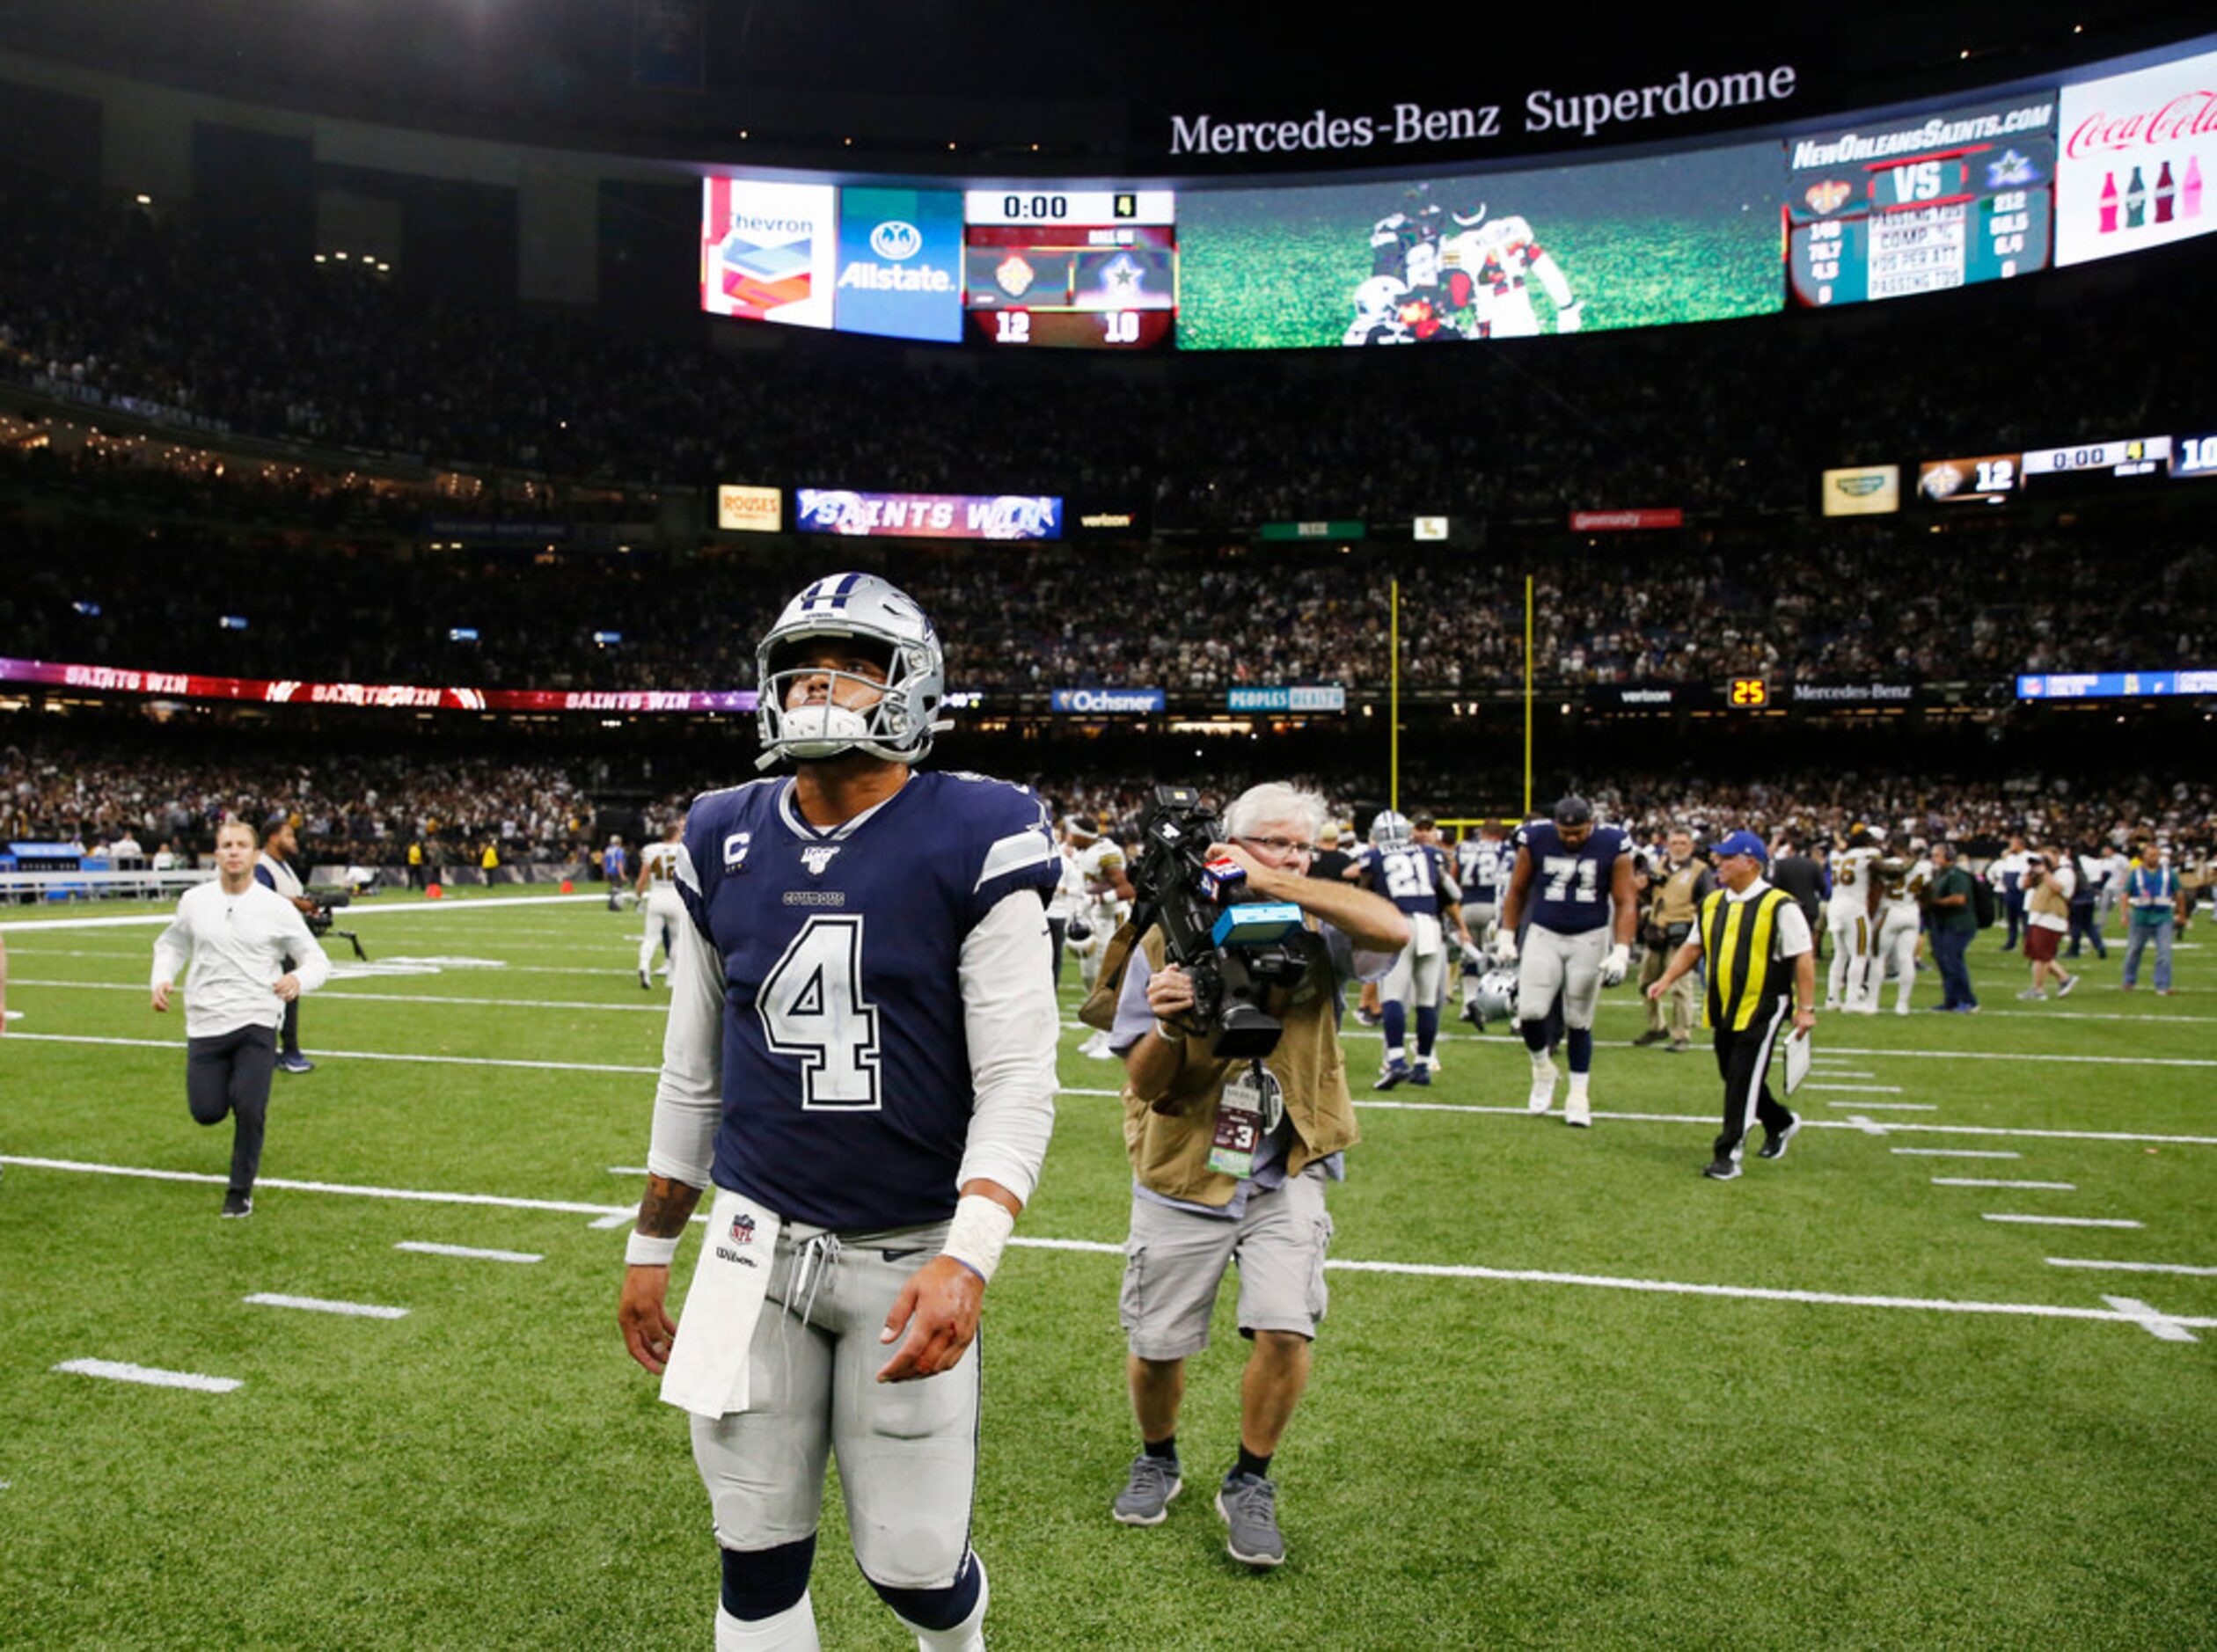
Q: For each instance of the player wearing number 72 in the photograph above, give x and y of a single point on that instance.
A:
(860, 1060)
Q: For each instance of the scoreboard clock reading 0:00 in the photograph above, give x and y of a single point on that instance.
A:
(1072, 268)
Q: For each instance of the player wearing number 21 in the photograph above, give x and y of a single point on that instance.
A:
(861, 1059)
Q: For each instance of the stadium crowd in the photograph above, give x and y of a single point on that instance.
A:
(211, 331)
(355, 807)
(1810, 604)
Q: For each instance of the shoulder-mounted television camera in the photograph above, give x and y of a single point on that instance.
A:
(1232, 946)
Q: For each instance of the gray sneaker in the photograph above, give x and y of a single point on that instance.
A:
(1248, 1504)
(1146, 1500)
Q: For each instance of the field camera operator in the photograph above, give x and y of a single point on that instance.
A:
(273, 871)
(1221, 997)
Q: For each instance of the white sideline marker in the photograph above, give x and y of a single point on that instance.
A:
(1860, 1089)
(614, 1219)
(1878, 1107)
(120, 1371)
(1980, 1181)
(318, 1305)
(2161, 1326)
(2133, 1268)
(425, 1248)
(1868, 1126)
(629, 1170)
(1956, 1152)
(2061, 1221)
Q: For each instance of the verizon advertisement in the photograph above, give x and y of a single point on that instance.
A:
(2136, 151)
(106, 679)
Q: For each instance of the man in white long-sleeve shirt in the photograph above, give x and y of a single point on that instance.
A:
(238, 935)
(860, 1058)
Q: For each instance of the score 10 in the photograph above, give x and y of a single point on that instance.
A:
(1077, 328)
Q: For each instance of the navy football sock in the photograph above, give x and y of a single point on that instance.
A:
(1581, 1042)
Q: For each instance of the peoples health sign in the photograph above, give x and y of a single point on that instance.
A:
(1098, 700)
(1307, 697)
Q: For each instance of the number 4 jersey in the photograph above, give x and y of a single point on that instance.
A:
(847, 1089)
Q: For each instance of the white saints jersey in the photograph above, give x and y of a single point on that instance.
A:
(1904, 885)
(659, 861)
(1097, 864)
(1852, 878)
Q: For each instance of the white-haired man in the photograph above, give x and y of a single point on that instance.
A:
(1230, 1158)
(860, 1056)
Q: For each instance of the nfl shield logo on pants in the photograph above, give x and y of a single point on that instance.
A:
(743, 1227)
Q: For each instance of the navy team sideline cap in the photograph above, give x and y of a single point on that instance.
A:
(1572, 811)
(1740, 843)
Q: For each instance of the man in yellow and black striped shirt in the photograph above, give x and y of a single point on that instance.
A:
(1762, 962)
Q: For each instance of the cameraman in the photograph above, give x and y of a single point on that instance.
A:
(1230, 1160)
(275, 871)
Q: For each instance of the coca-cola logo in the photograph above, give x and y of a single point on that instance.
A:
(2190, 115)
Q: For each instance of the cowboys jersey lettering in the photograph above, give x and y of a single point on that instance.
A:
(1570, 888)
(1483, 866)
(1411, 877)
(847, 1090)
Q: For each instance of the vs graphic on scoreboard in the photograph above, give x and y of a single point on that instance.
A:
(1072, 268)
(1957, 198)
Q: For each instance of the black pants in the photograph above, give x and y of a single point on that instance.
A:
(289, 1030)
(1056, 927)
(231, 1073)
(1744, 1059)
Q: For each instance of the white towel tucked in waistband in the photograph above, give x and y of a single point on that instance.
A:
(708, 1370)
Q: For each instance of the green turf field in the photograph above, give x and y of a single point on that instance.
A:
(1526, 1427)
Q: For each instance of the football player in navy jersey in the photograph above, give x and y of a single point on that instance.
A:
(861, 1059)
(1575, 880)
(1414, 876)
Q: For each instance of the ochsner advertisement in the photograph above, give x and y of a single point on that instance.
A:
(768, 252)
(2136, 151)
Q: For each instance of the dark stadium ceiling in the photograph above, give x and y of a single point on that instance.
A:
(992, 78)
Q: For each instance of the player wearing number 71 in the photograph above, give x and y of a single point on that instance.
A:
(860, 1058)
(1575, 880)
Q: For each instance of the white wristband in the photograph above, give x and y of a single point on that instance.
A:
(644, 1250)
(981, 1227)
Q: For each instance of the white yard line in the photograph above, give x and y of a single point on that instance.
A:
(2059, 1221)
(1425, 1270)
(2165, 1327)
(425, 1248)
(1982, 1181)
(322, 1305)
(1858, 1089)
(2133, 1268)
(1956, 1152)
(353, 1055)
(168, 911)
(1706, 1119)
(1881, 1106)
(327, 993)
(120, 1371)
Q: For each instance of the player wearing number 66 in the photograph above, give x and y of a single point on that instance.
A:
(860, 1060)
(1575, 880)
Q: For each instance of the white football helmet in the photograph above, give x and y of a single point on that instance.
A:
(1390, 831)
(1496, 997)
(899, 726)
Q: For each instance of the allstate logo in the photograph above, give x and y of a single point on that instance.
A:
(896, 240)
